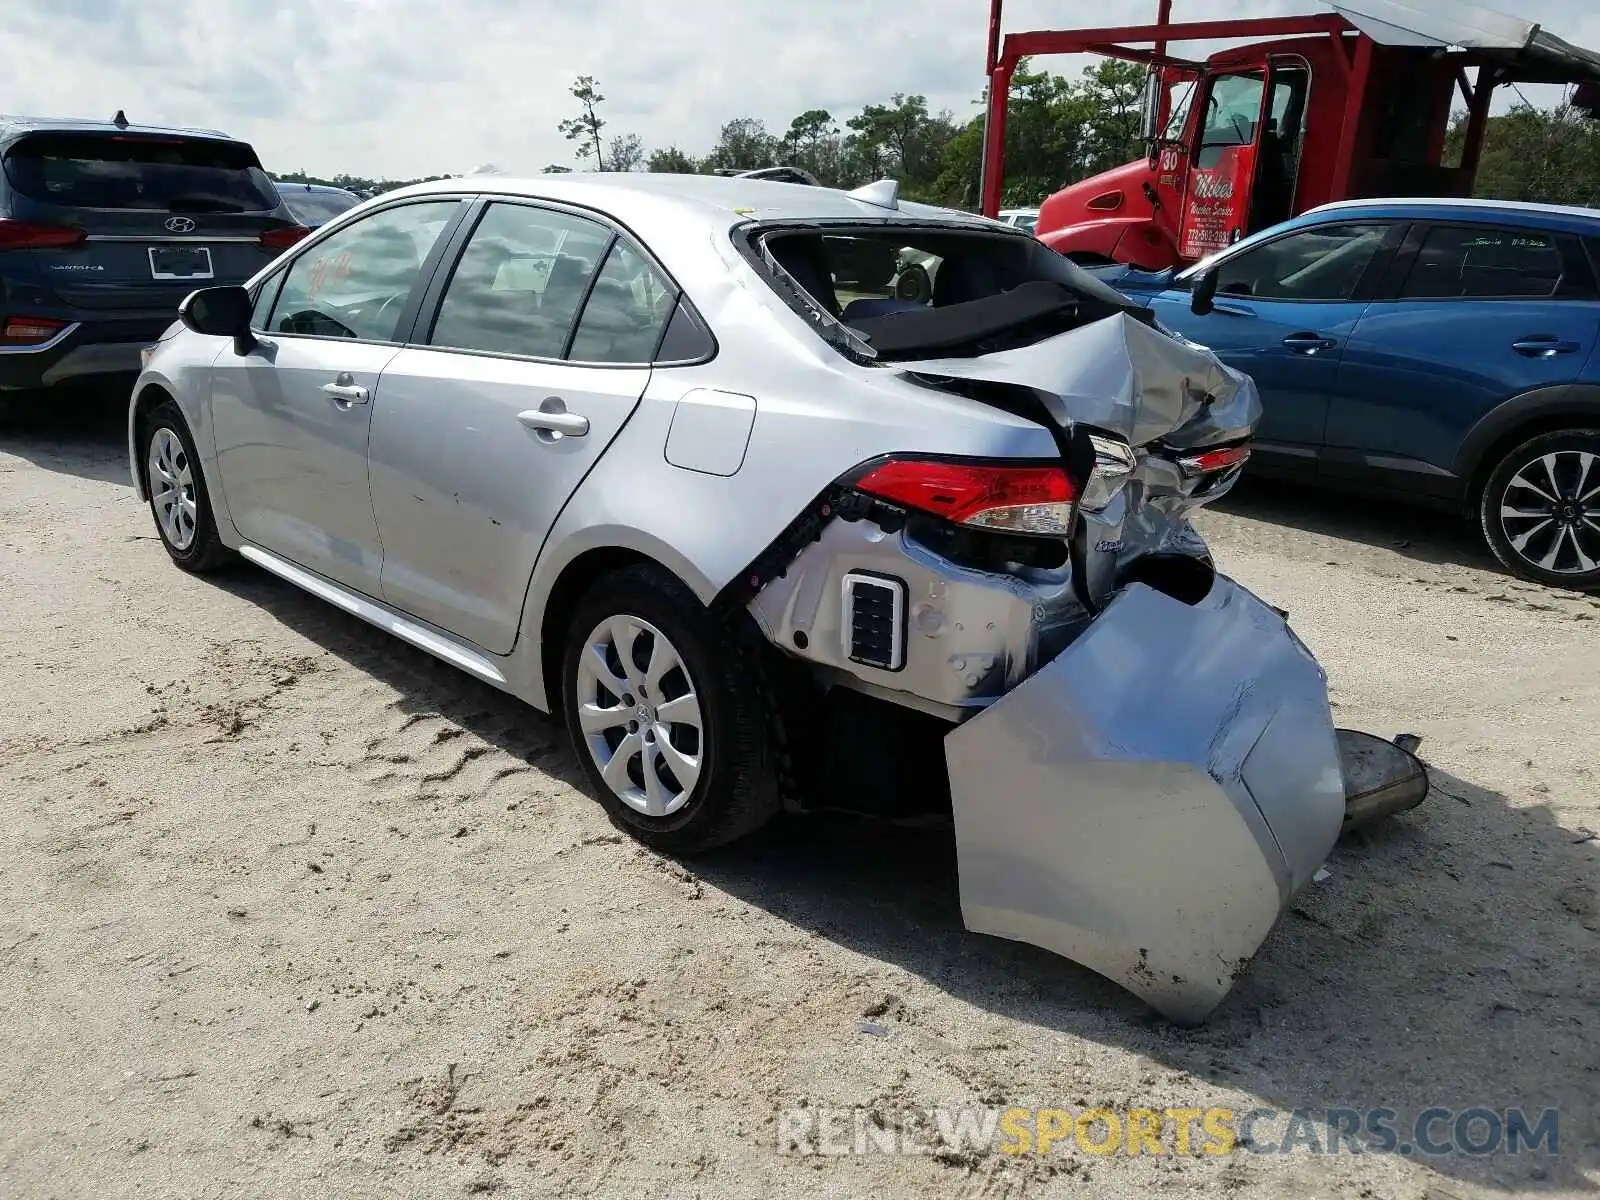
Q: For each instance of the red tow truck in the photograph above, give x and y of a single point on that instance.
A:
(1352, 103)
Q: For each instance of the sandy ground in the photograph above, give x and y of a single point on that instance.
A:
(288, 910)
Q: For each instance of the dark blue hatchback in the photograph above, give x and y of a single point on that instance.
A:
(1438, 350)
(105, 227)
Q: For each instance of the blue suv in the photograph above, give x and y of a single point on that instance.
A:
(105, 227)
(1440, 351)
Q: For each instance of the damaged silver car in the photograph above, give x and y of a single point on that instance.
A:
(658, 455)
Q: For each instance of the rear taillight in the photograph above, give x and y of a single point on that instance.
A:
(1005, 498)
(23, 235)
(1114, 464)
(283, 237)
(1220, 459)
(29, 331)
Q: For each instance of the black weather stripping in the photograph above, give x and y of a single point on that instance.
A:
(925, 331)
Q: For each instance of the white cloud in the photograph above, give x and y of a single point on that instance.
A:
(400, 88)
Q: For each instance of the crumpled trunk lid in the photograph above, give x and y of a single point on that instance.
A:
(1121, 375)
(1148, 802)
(1162, 394)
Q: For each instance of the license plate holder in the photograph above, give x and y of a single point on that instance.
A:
(180, 262)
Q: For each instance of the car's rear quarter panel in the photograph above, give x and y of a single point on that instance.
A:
(817, 415)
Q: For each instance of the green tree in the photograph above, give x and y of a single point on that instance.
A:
(584, 129)
(625, 153)
(743, 145)
(1112, 91)
(1046, 134)
(814, 143)
(672, 161)
(1548, 155)
(960, 167)
(901, 139)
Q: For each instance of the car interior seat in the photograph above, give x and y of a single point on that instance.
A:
(964, 277)
(806, 260)
(864, 307)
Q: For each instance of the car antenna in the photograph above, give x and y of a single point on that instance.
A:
(883, 194)
(120, 120)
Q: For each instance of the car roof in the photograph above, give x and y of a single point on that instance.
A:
(324, 188)
(12, 126)
(648, 199)
(1443, 208)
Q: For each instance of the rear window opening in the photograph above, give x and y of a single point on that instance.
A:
(140, 172)
(900, 292)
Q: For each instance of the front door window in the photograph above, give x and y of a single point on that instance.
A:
(1232, 111)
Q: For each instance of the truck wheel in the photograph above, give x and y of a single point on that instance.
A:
(666, 714)
(1540, 509)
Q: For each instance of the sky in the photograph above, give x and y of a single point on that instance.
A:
(404, 88)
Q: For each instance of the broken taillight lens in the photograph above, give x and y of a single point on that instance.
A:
(1114, 464)
(1002, 497)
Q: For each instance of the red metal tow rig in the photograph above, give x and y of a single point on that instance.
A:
(1353, 103)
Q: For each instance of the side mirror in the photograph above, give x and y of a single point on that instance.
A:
(1204, 294)
(220, 312)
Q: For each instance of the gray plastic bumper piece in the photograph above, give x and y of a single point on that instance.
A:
(1149, 802)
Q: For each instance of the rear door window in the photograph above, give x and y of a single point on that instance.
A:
(139, 172)
(626, 313)
(1486, 261)
(520, 282)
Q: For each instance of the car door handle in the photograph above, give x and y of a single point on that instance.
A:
(552, 417)
(346, 391)
(1543, 345)
(1308, 343)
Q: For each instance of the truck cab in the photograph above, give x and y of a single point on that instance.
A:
(1344, 105)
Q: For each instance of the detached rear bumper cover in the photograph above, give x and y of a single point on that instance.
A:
(1149, 803)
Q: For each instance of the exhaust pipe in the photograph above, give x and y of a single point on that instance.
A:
(1381, 778)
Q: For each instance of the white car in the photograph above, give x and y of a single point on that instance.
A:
(1021, 218)
(617, 446)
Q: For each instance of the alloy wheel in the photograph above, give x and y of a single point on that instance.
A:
(172, 488)
(1550, 512)
(639, 715)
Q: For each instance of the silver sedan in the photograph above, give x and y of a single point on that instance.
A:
(661, 456)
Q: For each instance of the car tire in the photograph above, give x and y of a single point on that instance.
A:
(179, 501)
(1540, 509)
(913, 284)
(640, 723)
